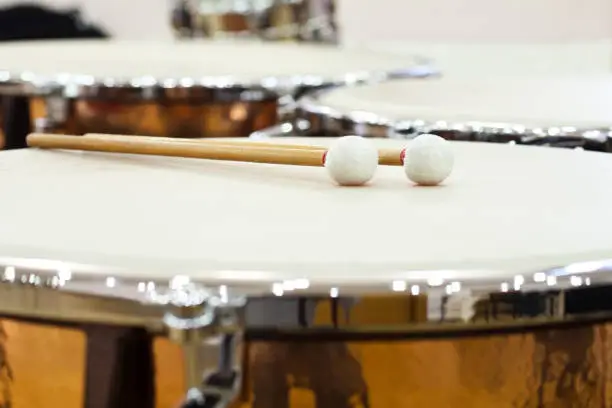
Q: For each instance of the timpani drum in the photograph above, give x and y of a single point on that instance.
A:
(193, 89)
(568, 111)
(313, 295)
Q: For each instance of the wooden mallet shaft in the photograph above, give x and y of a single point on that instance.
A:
(387, 157)
(223, 142)
(209, 151)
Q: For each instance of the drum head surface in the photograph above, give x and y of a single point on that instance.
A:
(483, 58)
(242, 61)
(505, 209)
(534, 102)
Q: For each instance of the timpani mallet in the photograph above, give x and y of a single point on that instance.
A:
(427, 161)
(350, 161)
(386, 157)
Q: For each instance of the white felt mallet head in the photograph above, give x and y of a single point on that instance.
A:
(428, 160)
(351, 160)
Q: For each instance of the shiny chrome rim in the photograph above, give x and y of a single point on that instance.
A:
(324, 120)
(60, 292)
(204, 89)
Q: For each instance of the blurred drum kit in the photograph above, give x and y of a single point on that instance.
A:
(281, 290)
(299, 20)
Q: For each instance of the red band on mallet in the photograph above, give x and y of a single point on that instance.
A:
(402, 156)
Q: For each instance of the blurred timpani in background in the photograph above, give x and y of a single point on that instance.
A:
(193, 89)
(272, 20)
(562, 111)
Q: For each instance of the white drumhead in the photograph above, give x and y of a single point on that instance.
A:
(239, 60)
(534, 102)
(502, 58)
(505, 209)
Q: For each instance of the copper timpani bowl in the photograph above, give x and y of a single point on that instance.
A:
(546, 346)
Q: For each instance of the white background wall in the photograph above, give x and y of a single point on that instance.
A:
(414, 20)
(539, 35)
(128, 19)
(476, 20)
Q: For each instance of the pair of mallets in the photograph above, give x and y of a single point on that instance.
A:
(349, 160)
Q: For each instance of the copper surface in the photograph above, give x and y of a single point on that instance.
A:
(5, 372)
(228, 23)
(48, 366)
(188, 120)
(567, 367)
(559, 368)
(547, 367)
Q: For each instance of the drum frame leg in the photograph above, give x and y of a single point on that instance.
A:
(119, 367)
(16, 121)
(217, 388)
(195, 318)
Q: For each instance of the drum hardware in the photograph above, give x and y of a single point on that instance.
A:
(195, 315)
(221, 388)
